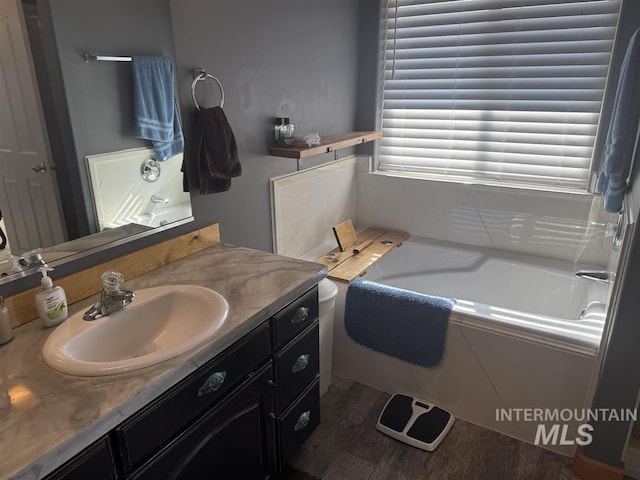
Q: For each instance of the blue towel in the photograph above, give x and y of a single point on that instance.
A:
(407, 325)
(154, 105)
(612, 180)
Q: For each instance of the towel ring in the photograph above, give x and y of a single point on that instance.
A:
(198, 75)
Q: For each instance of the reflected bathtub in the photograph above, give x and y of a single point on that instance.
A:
(156, 218)
(524, 334)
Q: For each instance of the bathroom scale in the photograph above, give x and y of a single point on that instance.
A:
(415, 422)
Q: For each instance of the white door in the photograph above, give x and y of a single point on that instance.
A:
(28, 194)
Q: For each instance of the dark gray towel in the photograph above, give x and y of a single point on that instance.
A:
(215, 150)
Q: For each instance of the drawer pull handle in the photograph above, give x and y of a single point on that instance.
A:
(213, 383)
(300, 316)
(303, 421)
(301, 363)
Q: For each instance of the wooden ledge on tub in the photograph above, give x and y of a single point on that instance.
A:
(347, 266)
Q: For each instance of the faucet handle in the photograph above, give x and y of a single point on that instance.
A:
(111, 281)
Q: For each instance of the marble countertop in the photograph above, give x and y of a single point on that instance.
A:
(47, 417)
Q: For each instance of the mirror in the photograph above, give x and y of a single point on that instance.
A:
(71, 175)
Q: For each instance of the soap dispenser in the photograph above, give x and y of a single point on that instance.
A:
(51, 302)
(6, 335)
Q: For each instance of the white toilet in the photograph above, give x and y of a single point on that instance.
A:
(327, 291)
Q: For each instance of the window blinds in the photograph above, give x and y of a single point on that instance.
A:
(495, 89)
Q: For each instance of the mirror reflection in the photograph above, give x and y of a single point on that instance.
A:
(73, 175)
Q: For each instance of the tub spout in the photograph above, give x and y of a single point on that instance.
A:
(157, 198)
(598, 275)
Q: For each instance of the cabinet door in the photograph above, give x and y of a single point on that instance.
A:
(95, 462)
(158, 422)
(294, 318)
(297, 366)
(299, 421)
(233, 441)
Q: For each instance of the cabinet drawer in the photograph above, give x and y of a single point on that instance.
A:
(149, 428)
(95, 462)
(298, 422)
(295, 317)
(233, 441)
(297, 366)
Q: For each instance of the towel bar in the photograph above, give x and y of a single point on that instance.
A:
(90, 57)
(201, 74)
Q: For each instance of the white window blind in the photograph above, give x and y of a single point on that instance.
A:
(501, 90)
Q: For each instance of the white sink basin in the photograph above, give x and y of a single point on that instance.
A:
(161, 323)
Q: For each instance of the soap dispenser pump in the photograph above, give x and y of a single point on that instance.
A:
(51, 302)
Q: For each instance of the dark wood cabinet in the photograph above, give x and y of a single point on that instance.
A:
(95, 462)
(294, 318)
(162, 419)
(297, 366)
(298, 422)
(234, 440)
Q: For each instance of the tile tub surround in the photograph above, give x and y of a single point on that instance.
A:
(308, 203)
(47, 417)
(119, 202)
(566, 226)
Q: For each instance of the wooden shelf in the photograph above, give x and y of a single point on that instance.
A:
(329, 144)
(347, 266)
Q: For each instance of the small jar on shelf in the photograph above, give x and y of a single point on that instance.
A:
(276, 130)
(287, 133)
(283, 133)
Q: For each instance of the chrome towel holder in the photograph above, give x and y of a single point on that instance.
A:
(90, 57)
(201, 74)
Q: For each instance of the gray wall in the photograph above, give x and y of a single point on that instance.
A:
(99, 94)
(367, 116)
(295, 58)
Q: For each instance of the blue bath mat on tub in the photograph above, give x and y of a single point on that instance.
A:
(408, 325)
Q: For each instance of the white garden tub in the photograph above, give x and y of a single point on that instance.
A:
(524, 334)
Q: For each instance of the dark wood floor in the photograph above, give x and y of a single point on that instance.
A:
(347, 446)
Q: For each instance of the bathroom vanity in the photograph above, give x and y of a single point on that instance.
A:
(237, 408)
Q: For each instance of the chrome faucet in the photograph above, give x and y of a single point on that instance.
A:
(112, 299)
(598, 275)
(31, 259)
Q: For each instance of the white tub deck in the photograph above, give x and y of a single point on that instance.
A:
(529, 297)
